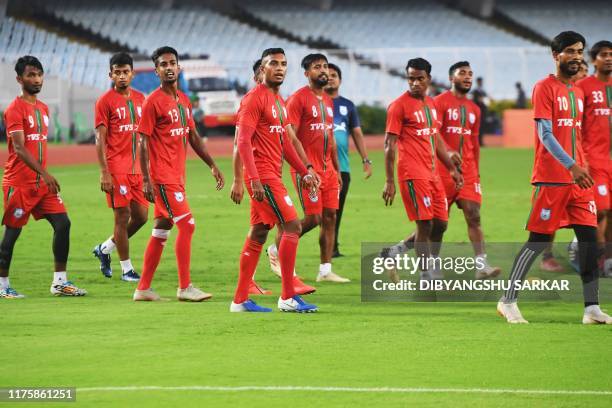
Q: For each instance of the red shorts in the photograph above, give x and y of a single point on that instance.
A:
(276, 207)
(328, 195)
(553, 207)
(424, 199)
(602, 187)
(171, 201)
(470, 191)
(20, 202)
(126, 188)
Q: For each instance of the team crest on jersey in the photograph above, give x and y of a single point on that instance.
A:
(178, 196)
(288, 201)
(18, 213)
(427, 201)
(46, 120)
(343, 110)
(602, 189)
(123, 190)
(313, 198)
(330, 112)
(472, 118)
(580, 106)
(545, 214)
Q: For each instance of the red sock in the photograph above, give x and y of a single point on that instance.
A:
(152, 255)
(182, 249)
(248, 262)
(287, 251)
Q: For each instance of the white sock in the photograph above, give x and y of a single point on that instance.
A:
(593, 309)
(4, 283)
(107, 246)
(59, 277)
(273, 250)
(126, 265)
(325, 269)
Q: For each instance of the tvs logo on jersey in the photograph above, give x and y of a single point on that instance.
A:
(178, 196)
(18, 213)
(330, 112)
(545, 214)
(472, 118)
(343, 110)
(602, 189)
(427, 201)
(123, 190)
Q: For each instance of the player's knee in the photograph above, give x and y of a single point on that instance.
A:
(61, 223)
(258, 233)
(122, 216)
(293, 227)
(439, 226)
(187, 225)
(424, 227)
(473, 219)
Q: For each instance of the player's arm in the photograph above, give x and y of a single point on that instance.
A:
(357, 135)
(197, 144)
(106, 181)
(309, 181)
(299, 150)
(447, 159)
(237, 191)
(581, 175)
(144, 167)
(25, 156)
(390, 147)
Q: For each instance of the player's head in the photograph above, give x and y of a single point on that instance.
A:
(121, 71)
(461, 75)
(334, 78)
(583, 72)
(166, 62)
(567, 49)
(601, 55)
(29, 74)
(273, 66)
(316, 69)
(418, 71)
(257, 72)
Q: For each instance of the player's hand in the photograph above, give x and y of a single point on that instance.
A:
(581, 176)
(455, 158)
(218, 176)
(258, 190)
(106, 182)
(457, 178)
(149, 192)
(339, 181)
(316, 177)
(367, 170)
(51, 182)
(309, 182)
(237, 191)
(389, 192)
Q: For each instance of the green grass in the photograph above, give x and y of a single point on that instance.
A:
(105, 339)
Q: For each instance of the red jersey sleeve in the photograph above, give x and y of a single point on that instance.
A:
(294, 110)
(102, 113)
(250, 111)
(14, 120)
(147, 122)
(542, 101)
(395, 117)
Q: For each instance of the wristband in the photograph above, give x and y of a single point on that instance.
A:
(366, 161)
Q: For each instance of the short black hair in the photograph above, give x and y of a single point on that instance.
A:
(271, 51)
(335, 68)
(256, 66)
(457, 65)
(163, 50)
(26, 60)
(121, 58)
(308, 60)
(420, 64)
(565, 39)
(597, 47)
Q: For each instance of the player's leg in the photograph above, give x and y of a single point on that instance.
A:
(608, 254)
(153, 252)
(6, 255)
(326, 246)
(471, 213)
(61, 286)
(346, 181)
(549, 262)
(422, 245)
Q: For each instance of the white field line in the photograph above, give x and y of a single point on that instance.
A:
(397, 390)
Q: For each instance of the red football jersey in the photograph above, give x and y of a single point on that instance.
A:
(120, 116)
(415, 123)
(265, 112)
(459, 127)
(313, 117)
(563, 105)
(167, 122)
(596, 128)
(33, 121)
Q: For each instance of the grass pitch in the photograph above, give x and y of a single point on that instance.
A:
(436, 354)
